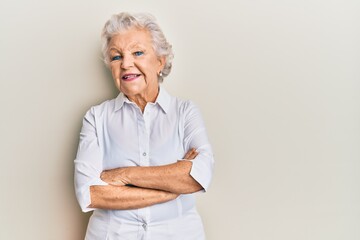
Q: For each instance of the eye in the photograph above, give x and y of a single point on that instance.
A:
(116, 58)
(138, 53)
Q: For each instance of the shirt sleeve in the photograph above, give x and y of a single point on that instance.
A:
(195, 137)
(88, 162)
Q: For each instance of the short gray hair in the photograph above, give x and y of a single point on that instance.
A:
(124, 21)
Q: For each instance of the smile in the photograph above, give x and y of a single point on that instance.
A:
(130, 77)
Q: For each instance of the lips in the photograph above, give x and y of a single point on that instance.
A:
(130, 76)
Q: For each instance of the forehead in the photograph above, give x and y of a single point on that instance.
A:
(131, 38)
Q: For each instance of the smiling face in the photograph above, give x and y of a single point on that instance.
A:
(135, 65)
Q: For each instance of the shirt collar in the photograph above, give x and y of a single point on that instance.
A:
(119, 101)
(163, 99)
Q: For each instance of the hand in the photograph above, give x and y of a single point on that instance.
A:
(114, 177)
(191, 154)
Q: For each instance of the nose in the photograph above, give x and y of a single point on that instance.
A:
(127, 62)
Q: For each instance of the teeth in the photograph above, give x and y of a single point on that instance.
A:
(130, 76)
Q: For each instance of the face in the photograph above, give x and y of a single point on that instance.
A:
(134, 64)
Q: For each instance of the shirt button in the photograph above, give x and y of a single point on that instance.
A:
(144, 154)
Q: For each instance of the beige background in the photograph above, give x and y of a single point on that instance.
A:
(278, 84)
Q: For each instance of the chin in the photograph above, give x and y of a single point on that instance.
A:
(132, 91)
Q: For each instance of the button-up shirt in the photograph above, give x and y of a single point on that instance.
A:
(117, 134)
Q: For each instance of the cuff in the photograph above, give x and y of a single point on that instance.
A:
(83, 195)
(202, 169)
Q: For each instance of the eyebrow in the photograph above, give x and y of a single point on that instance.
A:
(137, 44)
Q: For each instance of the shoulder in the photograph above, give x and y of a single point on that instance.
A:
(101, 109)
(184, 106)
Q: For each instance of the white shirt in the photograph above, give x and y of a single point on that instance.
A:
(117, 134)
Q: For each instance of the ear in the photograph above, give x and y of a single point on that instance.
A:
(162, 61)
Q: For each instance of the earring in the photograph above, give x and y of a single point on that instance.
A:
(160, 74)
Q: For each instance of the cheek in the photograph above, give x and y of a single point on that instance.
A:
(153, 67)
(113, 70)
(115, 74)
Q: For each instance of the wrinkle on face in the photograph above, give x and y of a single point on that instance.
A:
(132, 52)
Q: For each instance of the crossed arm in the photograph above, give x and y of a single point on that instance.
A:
(138, 187)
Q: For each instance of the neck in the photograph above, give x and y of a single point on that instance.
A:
(142, 99)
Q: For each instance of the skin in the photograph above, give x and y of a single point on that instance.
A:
(118, 196)
(131, 52)
(173, 178)
(135, 67)
(125, 198)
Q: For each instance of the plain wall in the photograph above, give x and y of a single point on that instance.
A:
(277, 82)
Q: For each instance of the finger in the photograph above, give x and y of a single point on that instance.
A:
(188, 154)
(193, 155)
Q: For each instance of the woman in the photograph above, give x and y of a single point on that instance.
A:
(142, 154)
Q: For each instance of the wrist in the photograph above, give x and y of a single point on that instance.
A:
(124, 174)
(167, 196)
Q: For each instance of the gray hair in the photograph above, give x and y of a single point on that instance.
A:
(124, 21)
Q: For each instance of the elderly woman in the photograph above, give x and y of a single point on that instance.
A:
(143, 154)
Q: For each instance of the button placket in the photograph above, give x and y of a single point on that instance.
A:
(144, 138)
(146, 117)
(143, 152)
